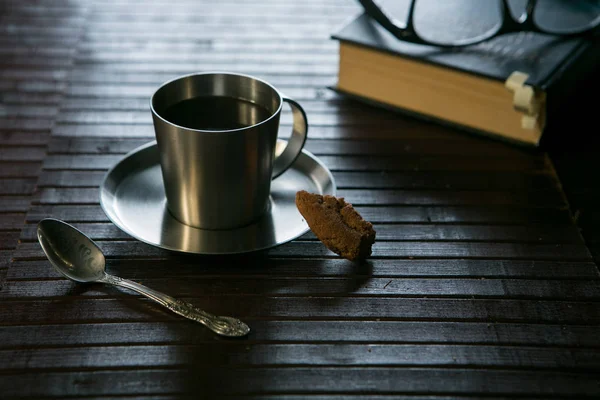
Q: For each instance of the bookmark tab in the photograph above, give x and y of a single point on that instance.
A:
(526, 100)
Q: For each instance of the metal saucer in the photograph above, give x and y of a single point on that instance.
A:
(133, 198)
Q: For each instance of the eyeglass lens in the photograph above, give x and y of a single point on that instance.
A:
(567, 16)
(456, 21)
(451, 22)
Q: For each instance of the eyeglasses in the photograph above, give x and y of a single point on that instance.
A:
(456, 23)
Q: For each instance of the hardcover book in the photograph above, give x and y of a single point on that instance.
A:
(510, 87)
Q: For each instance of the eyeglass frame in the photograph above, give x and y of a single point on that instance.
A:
(524, 23)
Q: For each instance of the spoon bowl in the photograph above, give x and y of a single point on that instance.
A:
(70, 251)
(77, 257)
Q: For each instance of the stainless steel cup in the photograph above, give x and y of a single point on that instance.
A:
(222, 179)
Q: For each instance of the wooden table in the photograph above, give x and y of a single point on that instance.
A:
(480, 283)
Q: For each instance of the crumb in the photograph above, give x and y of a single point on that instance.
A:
(337, 224)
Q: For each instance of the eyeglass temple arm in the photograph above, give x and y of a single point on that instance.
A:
(407, 31)
(524, 20)
(373, 10)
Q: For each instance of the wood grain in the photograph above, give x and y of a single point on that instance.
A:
(28, 108)
(480, 284)
(356, 380)
(356, 179)
(125, 307)
(357, 332)
(399, 232)
(330, 286)
(153, 268)
(314, 355)
(500, 215)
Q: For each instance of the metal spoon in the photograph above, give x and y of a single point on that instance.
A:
(77, 257)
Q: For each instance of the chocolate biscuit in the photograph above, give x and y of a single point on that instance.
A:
(337, 224)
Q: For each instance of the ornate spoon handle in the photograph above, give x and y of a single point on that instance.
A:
(226, 326)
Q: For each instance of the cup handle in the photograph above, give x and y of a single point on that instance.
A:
(296, 142)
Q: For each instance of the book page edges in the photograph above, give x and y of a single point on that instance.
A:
(463, 99)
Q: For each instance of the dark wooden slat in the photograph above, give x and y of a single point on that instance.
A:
(321, 286)
(221, 43)
(417, 249)
(449, 182)
(31, 40)
(101, 161)
(232, 6)
(403, 214)
(38, 111)
(175, 68)
(125, 44)
(542, 198)
(270, 267)
(89, 146)
(139, 104)
(354, 397)
(12, 169)
(17, 186)
(17, 138)
(489, 214)
(333, 104)
(181, 332)
(365, 148)
(447, 250)
(402, 129)
(284, 11)
(345, 180)
(92, 83)
(146, 133)
(537, 234)
(84, 75)
(22, 153)
(45, 10)
(219, 15)
(34, 87)
(144, 117)
(14, 204)
(35, 51)
(445, 180)
(312, 397)
(31, 98)
(248, 56)
(25, 124)
(190, 32)
(114, 131)
(424, 146)
(8, 240)
(23, 60)
(54, 31)
(291, 380)
(34, 73)
(5, 259)
(3, 267)
(71, 178)
(132, 309)
(241, 354)
(66, 19)
(112, 248)
(66, 145)
(11, 221)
